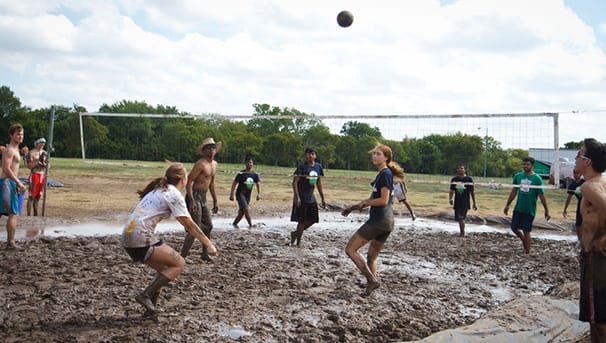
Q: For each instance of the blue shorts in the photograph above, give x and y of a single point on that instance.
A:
(9, 194)
(521, 221)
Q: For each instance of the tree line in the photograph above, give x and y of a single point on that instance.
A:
(278, 140)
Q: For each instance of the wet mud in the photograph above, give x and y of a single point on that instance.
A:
(82, 289)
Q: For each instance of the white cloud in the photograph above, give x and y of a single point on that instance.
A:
(398, 57)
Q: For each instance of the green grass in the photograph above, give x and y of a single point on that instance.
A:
(339, 185)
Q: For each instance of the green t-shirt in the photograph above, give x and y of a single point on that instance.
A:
(527, 196)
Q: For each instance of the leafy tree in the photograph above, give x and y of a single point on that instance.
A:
(239, 142)
(357, 130)
(431, 157)
(9, 103)
(345, 150)
(286, 149)
(11, 112)
(573, 145)
(266, 127)
(323, 141)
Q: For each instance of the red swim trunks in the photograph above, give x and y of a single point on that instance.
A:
(36, 184)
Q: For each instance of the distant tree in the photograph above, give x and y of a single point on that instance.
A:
(239, 141)
(9, 103)
(345, 150)
(357, 130)
(573, 145)
(286, 149)
(11, 112)
(323, 141)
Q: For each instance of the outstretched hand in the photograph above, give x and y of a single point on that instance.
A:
(348, 210)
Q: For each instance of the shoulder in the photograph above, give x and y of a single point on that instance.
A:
(385, 172)
(172, 192)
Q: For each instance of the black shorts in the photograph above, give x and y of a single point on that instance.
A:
(592, 302)
(142, 254)
(521, 221)
(460, 213)
(243, 201)
(305, 213)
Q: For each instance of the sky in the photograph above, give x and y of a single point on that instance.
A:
(398, 57)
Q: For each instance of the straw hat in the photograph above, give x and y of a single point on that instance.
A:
(209, 141)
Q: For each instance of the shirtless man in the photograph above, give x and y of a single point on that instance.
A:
(11, 186)
(201, 179)
(591, 163)
(36, 162)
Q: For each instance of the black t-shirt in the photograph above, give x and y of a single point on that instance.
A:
(463, 186)
(242, 178)
(305, 185)
(383, 179)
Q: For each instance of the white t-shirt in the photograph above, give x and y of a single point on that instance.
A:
(398, 191)
(156, 205)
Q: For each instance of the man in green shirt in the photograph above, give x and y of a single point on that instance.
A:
(528, 186)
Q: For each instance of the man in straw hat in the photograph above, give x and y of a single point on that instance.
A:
(200, 181)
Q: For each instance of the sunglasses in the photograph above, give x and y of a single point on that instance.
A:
(583, 157)
(210, 146)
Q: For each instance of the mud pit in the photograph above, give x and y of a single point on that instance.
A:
(81, 289)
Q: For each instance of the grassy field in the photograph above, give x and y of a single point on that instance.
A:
(339, 185)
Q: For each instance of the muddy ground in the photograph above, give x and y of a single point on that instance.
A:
(260, 290)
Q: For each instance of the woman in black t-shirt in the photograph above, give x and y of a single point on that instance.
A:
(380, 223)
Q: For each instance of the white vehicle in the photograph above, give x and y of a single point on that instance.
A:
(566, 173)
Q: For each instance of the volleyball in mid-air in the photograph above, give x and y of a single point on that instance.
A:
(344, 18)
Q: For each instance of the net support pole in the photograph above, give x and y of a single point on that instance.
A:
(82, 138)
(49, 150)
(556, 148)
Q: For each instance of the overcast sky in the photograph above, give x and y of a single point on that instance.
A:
(398, 57)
